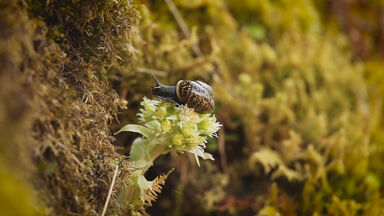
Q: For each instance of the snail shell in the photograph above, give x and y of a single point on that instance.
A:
(195, 94)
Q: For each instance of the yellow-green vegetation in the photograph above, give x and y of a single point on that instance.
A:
(298, 90)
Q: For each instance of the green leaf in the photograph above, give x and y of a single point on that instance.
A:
(137, 129)
(138, 150)
(144, 185)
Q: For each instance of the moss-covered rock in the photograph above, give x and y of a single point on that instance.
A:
(57, 103)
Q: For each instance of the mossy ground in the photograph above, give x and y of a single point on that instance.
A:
(297, 85)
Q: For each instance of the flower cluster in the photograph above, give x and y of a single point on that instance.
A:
(180, 128)
(166, 127)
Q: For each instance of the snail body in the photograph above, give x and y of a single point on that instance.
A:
(195, 94)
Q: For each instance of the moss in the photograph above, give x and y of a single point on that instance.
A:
(66, 148)
(87, 29)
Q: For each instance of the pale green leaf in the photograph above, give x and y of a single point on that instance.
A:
(144, 185)
(137, 129)
(138, 152)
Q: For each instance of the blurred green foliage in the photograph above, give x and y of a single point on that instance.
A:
(305, 111)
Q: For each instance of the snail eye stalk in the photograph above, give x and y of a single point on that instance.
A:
(157, 81)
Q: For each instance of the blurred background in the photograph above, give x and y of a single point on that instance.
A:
(298, 90)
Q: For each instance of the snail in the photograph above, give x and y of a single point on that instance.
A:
(195, 94)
